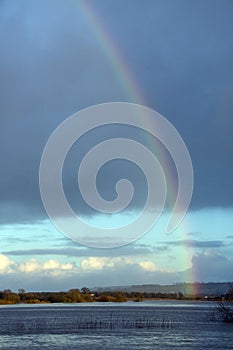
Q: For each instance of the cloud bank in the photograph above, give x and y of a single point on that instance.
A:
(51, 274)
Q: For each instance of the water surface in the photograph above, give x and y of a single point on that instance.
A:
(145, 325)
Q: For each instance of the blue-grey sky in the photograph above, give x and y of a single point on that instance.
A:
(55, 61)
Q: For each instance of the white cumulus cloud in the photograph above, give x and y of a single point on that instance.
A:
(5, 264)
(148, 265)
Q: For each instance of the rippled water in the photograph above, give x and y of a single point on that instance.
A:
(146, 325)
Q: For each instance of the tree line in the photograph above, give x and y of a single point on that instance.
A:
(86, 295)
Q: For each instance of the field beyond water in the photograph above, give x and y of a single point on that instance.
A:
(145, 325)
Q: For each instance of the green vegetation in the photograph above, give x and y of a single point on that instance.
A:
(86, 295)
(71, 296)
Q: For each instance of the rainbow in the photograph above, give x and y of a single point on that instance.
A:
(130, 86)
(112, 52)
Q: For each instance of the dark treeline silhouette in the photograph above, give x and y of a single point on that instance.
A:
(86, 295)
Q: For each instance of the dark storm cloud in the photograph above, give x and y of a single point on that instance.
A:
(47, 73)
(52, 65)
(211, 267)
(183, 55)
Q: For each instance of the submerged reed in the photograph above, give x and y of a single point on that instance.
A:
(59, 325)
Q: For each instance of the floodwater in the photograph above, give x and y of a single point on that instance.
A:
(162, 325)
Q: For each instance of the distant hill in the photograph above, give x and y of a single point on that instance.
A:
(195, 289)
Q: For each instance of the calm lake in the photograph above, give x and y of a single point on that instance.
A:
(145, 325)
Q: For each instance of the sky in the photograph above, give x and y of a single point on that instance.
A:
(58, 57)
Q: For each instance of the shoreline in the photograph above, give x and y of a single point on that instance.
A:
(196, 300)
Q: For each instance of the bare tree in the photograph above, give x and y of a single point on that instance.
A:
(225, 307)
(225, 310)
